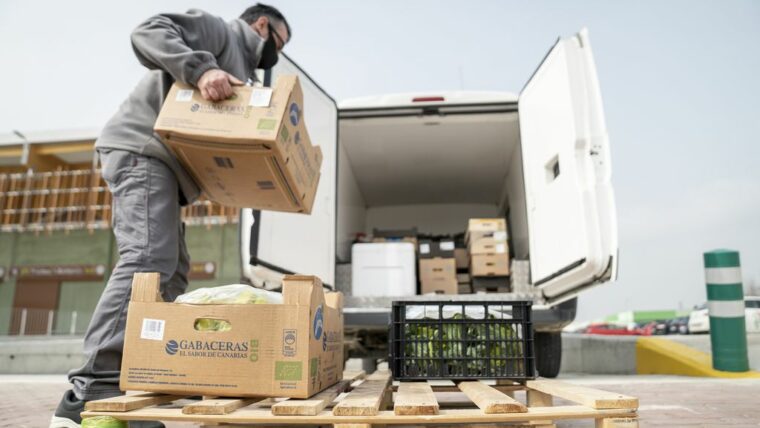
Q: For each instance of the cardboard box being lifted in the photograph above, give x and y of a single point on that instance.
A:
(250, 151)
(294, 349)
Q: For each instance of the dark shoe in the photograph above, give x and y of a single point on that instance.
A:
(67, 413)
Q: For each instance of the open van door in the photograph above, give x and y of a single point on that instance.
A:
(273, 243)
(570, 206)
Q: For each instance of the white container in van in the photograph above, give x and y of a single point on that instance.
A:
(383, 269)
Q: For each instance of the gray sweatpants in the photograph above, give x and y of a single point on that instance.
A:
(150, 237)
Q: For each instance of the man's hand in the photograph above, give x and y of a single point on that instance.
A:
(216, 85)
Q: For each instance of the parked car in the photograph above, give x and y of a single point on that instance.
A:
(699, 319)
(612, 330)
(678, 325)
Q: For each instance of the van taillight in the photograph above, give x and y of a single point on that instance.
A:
(427, 99)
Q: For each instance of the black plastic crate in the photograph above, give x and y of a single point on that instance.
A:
(462, 340)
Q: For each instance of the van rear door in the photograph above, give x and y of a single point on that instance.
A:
(285, 242)
(565, 148)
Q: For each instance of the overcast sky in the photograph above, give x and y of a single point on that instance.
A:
(679, 81)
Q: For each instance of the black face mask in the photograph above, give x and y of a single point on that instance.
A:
(269, 55)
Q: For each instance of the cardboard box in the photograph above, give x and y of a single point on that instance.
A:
(439, 286)
(478, 228)
(463, 260)
(489, 246)
(489, 265)
(250, 151)
(498, 284)
(438, 268)
(397, 233)
(294, 349)
(463, 278)
(429, 249)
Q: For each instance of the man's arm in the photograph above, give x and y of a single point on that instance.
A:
(186, 45)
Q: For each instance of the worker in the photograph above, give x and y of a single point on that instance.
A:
(148, 184)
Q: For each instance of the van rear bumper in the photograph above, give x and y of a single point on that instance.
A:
(545, 318)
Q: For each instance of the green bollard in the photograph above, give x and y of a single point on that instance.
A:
(725, 305)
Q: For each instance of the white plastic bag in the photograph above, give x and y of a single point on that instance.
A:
(233, 294)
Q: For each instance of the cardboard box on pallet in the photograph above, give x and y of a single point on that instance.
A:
(489, 265)
(294, 349)
(250, 151)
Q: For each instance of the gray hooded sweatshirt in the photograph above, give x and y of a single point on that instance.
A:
(177, 47)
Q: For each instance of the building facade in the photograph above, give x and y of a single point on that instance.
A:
(56, 246)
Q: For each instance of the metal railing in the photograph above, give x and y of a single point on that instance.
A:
(77, 199)
(43, 322)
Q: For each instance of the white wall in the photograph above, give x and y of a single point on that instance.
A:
(515, 199)
(352, 209)
(429, 219)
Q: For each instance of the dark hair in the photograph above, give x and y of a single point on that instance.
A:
(258, 10)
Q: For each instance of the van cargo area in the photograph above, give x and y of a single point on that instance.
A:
(431, 166)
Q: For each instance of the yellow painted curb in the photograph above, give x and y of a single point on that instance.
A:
(656, 355)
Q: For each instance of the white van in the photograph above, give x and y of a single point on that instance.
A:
(434, 160)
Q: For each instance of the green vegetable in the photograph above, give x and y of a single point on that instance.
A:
(461, 346)
(210, 324)
(234, 294)
(103, 422)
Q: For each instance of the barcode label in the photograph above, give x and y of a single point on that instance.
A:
(223, 162)
(501, 248)
(152, 329)
(184, 95)
(260, 97)
(500, 235)
(424, 248)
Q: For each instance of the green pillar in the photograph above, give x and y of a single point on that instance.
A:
(725, 303)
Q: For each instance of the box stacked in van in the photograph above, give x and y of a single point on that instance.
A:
(437, 266)
(489, 253)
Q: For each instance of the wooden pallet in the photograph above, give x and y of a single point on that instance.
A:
(362, 401)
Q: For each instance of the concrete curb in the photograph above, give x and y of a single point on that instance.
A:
(630, 355)
(40, 356)
(595, 354)
(655, 355)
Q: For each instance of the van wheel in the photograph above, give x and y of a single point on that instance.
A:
(548, 353)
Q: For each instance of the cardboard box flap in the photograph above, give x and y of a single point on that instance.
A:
(302, 290)
(146, 287)
(334, 299)
(178, 139)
